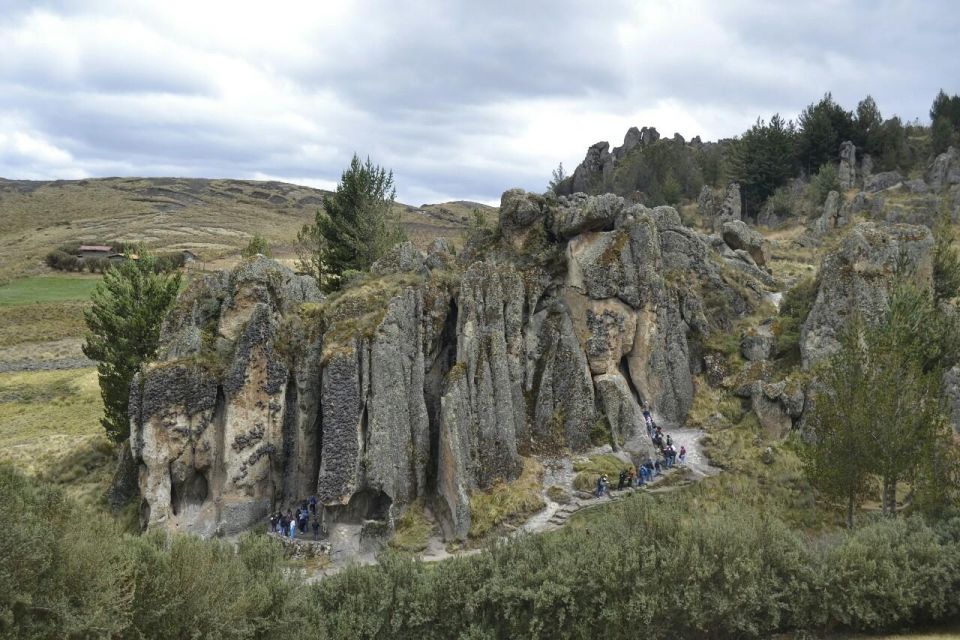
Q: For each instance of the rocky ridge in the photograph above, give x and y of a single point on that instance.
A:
(433, 376)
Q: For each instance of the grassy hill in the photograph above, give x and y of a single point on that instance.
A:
(213, 218)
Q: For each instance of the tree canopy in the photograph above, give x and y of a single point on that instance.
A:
(763, 159)
(123, 331)
(355, 227)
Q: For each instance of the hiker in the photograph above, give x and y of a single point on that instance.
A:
(293, 527)
(631, 474)
(621, 480)
(273, 523)
(313, 505)
(657, 469)
(658, 441)
(281, 523)
(669, 440)
(643, 476)
(683, 454)
(316, 528)
(304, 519)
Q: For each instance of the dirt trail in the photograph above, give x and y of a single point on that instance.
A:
(558, 471)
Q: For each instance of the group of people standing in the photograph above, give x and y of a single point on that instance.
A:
(287, 524)
(651, 467)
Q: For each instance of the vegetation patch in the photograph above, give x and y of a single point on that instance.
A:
(507, 502)
(412, 529)
(589, 469)
(46, 289)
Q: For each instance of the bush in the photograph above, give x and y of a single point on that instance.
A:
(794, 309)
(257, 245)
(662, 567)
(826, 180)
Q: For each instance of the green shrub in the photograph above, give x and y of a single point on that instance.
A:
(826, 180)
(664, 567)
(257, 245)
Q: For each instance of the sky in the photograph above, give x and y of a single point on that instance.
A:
(462, 100)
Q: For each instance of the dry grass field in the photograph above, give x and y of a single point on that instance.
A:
(49, 418)
(212, 218)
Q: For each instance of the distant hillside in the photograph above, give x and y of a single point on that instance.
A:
(213, 218)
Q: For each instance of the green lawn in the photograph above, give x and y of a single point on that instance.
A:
(47, 289)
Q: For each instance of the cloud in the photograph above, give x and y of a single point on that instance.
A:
(462, 100)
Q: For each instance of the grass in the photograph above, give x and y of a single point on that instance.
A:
(507, 502)
(41, 322)
(212, 218)
(40, 409)
(412, 529)
(51, 429)
(591, 468)
(46, 289)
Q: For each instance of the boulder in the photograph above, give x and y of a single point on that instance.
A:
(916, 186)
(856, 279)
(848, 165)
(944, 171)
(758, 343)
(439, 255)
(402, 258)
(729, 208)
(519, 213)
(882, 181)
(739, 236)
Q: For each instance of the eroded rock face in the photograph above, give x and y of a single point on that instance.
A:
(856, 279)
(945, 170)
(882, 181)
(848, 165)
(431, 378)
(739, 236)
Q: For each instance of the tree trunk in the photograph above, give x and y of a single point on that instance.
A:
(850, 511)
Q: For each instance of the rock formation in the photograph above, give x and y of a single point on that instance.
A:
(882, 181)
(848, 165)
(432, 376)
(596, 171)
(945, 171)
(716, 208)
(832, 215)
(856, 279)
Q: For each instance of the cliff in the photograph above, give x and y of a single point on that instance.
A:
(433, 375)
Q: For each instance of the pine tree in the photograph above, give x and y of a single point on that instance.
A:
(123, 331)
(823, 126)
(837, 461)
(355, 227)
(762, 160)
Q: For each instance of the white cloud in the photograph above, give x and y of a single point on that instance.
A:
(461, 100)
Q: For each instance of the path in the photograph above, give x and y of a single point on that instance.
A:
(558, 471)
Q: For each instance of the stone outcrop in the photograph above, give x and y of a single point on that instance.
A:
(945, 171)
(719, 207)
(856, 279)
(739, 236)
(882, 181)
(758, 343)
(432, 377)
(595, 172)
(848, 165)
